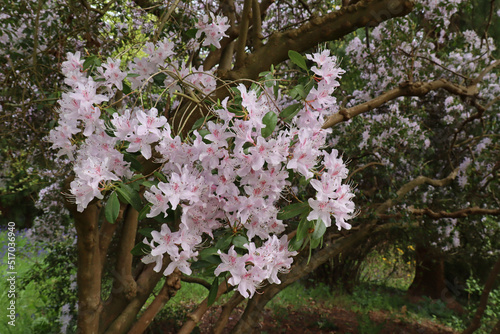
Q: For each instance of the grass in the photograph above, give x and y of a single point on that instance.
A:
(28, 300)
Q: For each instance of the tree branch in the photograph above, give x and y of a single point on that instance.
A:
(163, 20)
(406, 188)
(89, 268)
(195, 317)
(191, 279)
(317, 30)
(242, 38)
(124, 283)
(170, 287)
(106, 233)
(302, 266)
(455, 214)
(150, 7)
(256, 25)
(121, 316)
(405, 89)
(227, 309)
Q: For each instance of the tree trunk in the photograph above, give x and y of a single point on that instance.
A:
(429, 274)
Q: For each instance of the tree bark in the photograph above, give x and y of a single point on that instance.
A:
(89, 269)
(429, 274)
(329, 27)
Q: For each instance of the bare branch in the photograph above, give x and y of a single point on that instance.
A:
(484, 72)
(406, 188)
(317, 30)
(191, 279)
(455, 214)
(195, 317)
(163, 20)
(256, 25)
(242, 39)
(362, 168)
(124, 281)
(405, 89)
(170, 287)
(227, 308)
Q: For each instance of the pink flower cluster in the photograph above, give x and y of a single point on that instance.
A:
(250, 270)
(227, 176)
(213, 31)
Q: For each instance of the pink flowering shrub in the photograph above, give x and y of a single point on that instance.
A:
(230, 174)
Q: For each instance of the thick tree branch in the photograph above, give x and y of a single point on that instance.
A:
(319, 29)
(224, 55)
(406, 188)
(124, 283)
(241, 43)
(106, 233)
(191, 279)
(455, 214)
(89, 268)
(195, 317)
(150, 7)
(484, 72)
(170, 287)
(405, 89)
(227, 309)
(121, 313)
(256, 26)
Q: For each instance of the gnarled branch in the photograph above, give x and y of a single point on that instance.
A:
(317, 30)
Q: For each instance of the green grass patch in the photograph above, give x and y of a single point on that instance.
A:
(28, 301)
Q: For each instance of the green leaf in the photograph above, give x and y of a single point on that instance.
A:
(191, 33)
(126, 88)
(91, 61)
(203, 132)
(315, 243)
(159, 79)
(144, 211)
(289, 112)
(164, 220)
(149, 184)
(292, 210)
(141, 249)
(202, 264)
(134, 163)
(212, 294)
(208, 252)
(297, 59)
(309, 86)
(112, 208)
(303, 228)
(129, 195)
(110, 110)
(295, 244)
(200, 122)
(270, 120)
(146, 231)
(239, 241)
(224, 242)
(298, 91)
(319, 230)
(160, 176)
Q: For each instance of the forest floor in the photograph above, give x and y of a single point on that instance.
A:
(317, 319)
